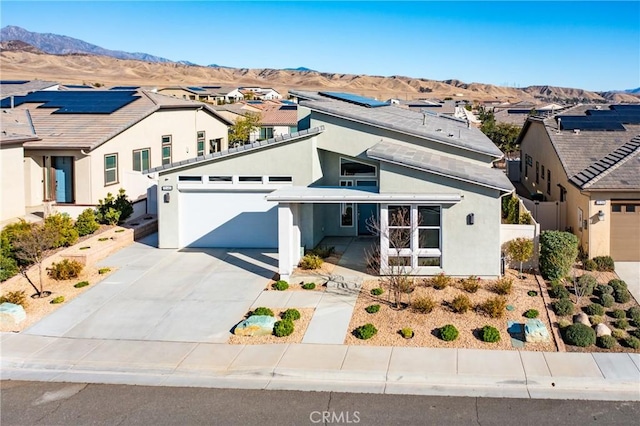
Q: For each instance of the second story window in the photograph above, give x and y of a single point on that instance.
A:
(200, 143)
(141, 159)
(266, 132)
(215, 145)
(166, 149)
(110, 169)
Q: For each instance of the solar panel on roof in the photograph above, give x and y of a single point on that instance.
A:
(125, 88)
(288, 107)
(354, 99)
(13, 81)
(211, 87)
(78, 86)
(76, 102)
(196, 89)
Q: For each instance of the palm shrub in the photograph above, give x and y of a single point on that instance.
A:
(558, 252)
(86, 223)
(579, 335)
(448, 333)
(61, 225)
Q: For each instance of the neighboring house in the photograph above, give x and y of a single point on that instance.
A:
(259, 93)
(276, 118)
(195, 93)
(518, 113)
(353, 160)
(24, 87)
(92, 142)
(589, 157)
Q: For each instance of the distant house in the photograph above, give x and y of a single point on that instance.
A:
(195, 93)
(259, 93)
(589, 158)
(276, 118)
(80, 145)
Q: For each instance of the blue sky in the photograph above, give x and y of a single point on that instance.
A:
(589, 45)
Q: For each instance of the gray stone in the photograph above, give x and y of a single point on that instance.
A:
(255, 325)
(602, 330)
(581, 318)
(535, 331)
(11, 314)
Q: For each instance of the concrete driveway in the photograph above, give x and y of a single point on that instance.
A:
(189, 295)
(629, 272)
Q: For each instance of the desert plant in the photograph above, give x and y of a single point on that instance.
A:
(290, 314)
(596, 319)
(563, 307)
(494, 307)
(579, 335)
(589, 265)
(564, 323)
(606, 300)
(16, 297)
(604, 263)
(604, 289)
(407, 332)
(618, 314)
(635, 333)
(81, 284)
(65, 269)
(621, 295)
(365, 332)
(448, 332)
(461, 304)
(618, 334)
(440, 281)
(525, 218)
(103, 271)
(311, 261)
(558, 251)
(57, 300)
(423, 304)
(372, 309)
(283, 328)
(616, 283)
(8, 267)
(594, 309)
(309, 286)
(377, 291)
(606, 342)
(61, 225)
(632, 342)
(634, 313)
(280, 285)
(262, 311)
(558, 291)
(112, 211)
(323, 251)
(584, 286)
(531, 313)
(86, 223)
(621, 324)
(471, 284)
(532, 293)
(520, 250)
(10, 234)
(503, 286)
(490, 334)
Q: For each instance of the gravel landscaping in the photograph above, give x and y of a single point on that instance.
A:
(296, 337)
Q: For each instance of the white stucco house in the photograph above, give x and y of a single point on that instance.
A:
(352, 160)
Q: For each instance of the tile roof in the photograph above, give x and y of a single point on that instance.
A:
(275, 116)
(9, 88)
(16, 126)
(303, 134)
(435, 127)
(422, 159)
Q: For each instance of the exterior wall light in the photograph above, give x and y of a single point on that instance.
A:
(470, 219)
(600, 215)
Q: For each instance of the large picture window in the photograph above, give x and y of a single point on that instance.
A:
(356, 168)
(110, 169)
(141, 159)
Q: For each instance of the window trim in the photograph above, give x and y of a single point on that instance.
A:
(117, 180)
(134, 159)
(169, 145)
(200, 139)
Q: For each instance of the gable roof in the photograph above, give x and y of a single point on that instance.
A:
(23, 87)
(16, 127)
(434, 127)
(430, 162)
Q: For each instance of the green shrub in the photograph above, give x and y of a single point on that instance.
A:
(471, 284)
(407, 332)
(593, 309)
(621, 295)
(81, 284)
(10, 234)
(290, 314)
(103, 271)
(564, 323)
(618, 313)
(103, 239)
(503, 286)
(65, 269)
(423, 304)
(596, 319)
(461, 304)
(604, 289)
(16, 297)
(558, 251)
(309, 286)
(606, 300)
(604, 263)
(61, 225)
(635, 332)
(365, 332)
(559, 291)
(262, 311)
(621, 324)
(531, 313)
(323, 251)
(283, 328)
(616, 283)
(441, 281)
(112, 211)
(57, 300)
(632, 342)
(634, 313)
(618, 334)
(372, 309)
(579, 335)
(448, 333)
(86, 223)
(563, 307)
(377, 291)
(587, 283)
(311, 261)
(532, 293)
(490, 334)
(280, 285)
(606, 342)
(8, 267)
(494, 307)
(590, 265)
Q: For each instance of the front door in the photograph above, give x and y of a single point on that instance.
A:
(366, 214)
(63, 169)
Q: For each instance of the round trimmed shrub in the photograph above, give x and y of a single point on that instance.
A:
(604, 263)
(490, 334)
(558, 252)
(461, 304)
(634, 313)
(563, 307)
(86, 223)
(618, 314)
(448, 332)
(262, 311)
(407, 332)
(596, 319)
(365, 332)
(57, 300)
(81, 284)
(372, 309)
(377, 291)
(590, 265)
(531, 313)
(309, 286)
(606, 342)
(635, 332)
(606, 300)
(593, 309)
(283, 328)
(621, 324)
(621, 295)
(280, 285)
(579, 335)
(559, 291)
(290, 314)
(8, 267)
(632, 342)
(532, 293)
(587, 282)
(604, 289)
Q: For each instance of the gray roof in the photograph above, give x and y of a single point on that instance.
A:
(427, 161)
(435, 127)
(12, 89)
(16, 127)
(303, 134)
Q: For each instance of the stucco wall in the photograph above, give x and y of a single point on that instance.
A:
(13, 191)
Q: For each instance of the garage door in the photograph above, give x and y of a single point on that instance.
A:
(228, 219)
(625, 231)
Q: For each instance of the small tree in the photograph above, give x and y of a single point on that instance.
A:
(240, 132)
(31, 248)
(520, 250)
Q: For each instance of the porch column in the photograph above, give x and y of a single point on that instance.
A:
(285, 241)
(296, 235)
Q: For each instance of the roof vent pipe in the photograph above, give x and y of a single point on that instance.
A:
(12, 104)
(559, 124)
(424, 118)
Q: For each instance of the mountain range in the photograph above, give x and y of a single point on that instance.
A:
(29, 55)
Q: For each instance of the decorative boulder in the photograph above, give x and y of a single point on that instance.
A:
(602, 330)
(11, 314)
(256, 325)
(535, 331)
(582, 318)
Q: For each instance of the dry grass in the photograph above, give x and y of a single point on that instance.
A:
(295, 337)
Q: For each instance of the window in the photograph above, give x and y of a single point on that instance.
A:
(548, 181)
(293, 129)
(266, 132)
(366, 183)
(537, 172)
(563, 192)
(166, 149)
(346, 182)
(428, 227)
(616, 208)
(630, 208)
(110, 169)
(221, 179)
(414, 233)
(355, 168)
(250, 179)
(542, 171)
(200, 143)
(280, 179)
(215, 145)
(141, 159)
(346, 214)
(526, 167)
(399, 219)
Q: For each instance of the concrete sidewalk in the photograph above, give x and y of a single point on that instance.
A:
(312, 367)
